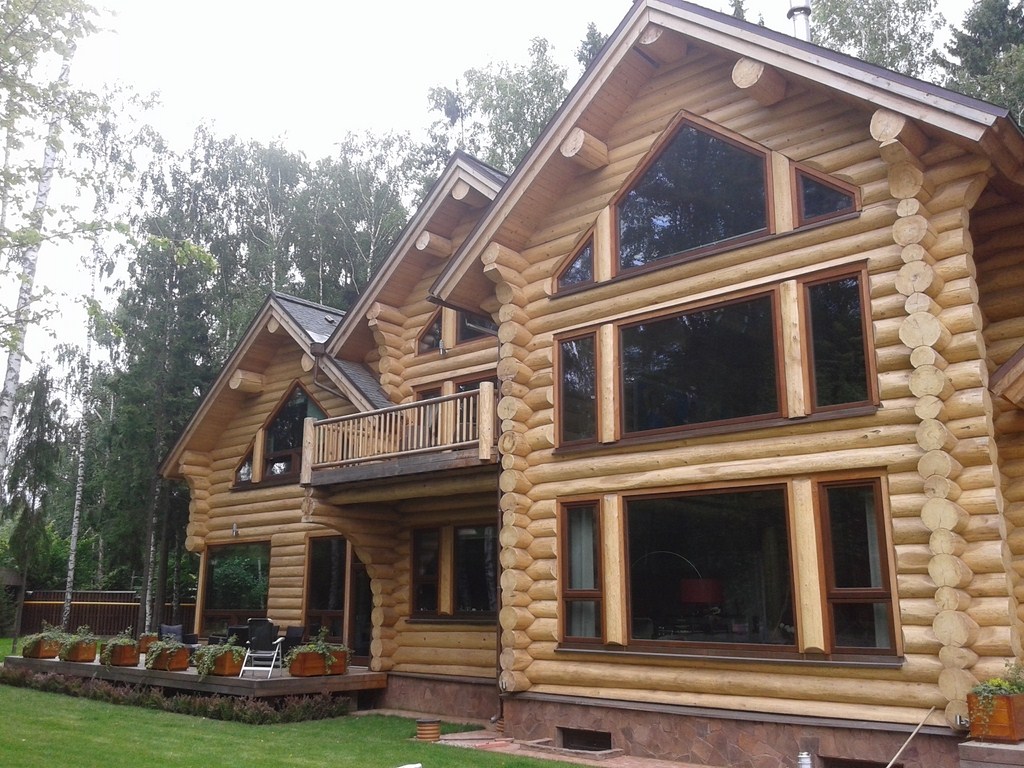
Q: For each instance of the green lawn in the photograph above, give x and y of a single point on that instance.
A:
(41, 730)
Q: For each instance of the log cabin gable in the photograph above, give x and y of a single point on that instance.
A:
(275, 455)
(285, 325)
(393, 306)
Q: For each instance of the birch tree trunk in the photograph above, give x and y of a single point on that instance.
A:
(83, 437)
(28, 258)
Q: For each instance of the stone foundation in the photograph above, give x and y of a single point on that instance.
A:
(472, 698)
(737, 740)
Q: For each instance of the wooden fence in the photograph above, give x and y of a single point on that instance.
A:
(106, 613)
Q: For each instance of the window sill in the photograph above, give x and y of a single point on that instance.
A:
(758, 656)
(267, 482)
(687, 433)
(489, 620)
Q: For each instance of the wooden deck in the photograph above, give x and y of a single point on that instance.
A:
(359, 682)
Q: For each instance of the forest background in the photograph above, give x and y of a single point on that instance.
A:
(176, 244)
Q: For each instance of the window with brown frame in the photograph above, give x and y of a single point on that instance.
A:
(577, 366)
(701, 190)
(838, 351)
(714, 364)
(237, 582)
(819, 199)
(858, 595)
(469, 327)
(462, 556)
(579, 270)
(582, 596)
(690, 587)
(688, 583)
(281, 440)
(722, 363)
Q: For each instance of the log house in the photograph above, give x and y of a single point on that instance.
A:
(700, 435)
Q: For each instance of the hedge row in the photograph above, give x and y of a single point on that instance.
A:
(285, 709)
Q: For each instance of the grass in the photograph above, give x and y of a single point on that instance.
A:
(41, 730)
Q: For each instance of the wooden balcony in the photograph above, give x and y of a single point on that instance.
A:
(448, 432)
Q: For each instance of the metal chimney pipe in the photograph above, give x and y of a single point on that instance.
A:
(800, 12)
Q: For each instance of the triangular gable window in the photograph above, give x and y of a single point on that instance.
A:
(701, 190)
(580, 269)
(430, 339)
(280, 441)
(818, 199)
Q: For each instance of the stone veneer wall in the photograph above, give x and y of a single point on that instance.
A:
(451, 697)
(726, 743)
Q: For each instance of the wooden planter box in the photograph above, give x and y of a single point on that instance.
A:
(1004, 723)
(123, 656)
(226, 665)
(82, 652)
(41, 649)
(171, 661)
(145, 641)
(312, 664)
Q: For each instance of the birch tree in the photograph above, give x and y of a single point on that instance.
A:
(32, 33)
(896, 34)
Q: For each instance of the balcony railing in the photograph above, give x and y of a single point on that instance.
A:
(453, 422)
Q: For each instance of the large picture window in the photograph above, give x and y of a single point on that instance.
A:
(719, 569)
(237, 581)
(701, 190)
(723, 365)
(711, 568)
(710, 365)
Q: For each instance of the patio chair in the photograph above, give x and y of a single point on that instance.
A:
(176, 632)
(293, 636)
(263, 651)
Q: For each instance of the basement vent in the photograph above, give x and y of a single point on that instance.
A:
(585, 741)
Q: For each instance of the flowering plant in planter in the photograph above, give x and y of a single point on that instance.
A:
(167, 654)
(146, 639)
(44, 644)
(122, 650)
(996, 706)
(324, 655)
(220, 659)
(79, 645)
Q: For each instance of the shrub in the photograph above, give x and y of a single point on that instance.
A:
(287, 709)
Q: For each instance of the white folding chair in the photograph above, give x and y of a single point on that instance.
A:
(263, 651)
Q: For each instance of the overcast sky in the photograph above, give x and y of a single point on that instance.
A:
(309, 70)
